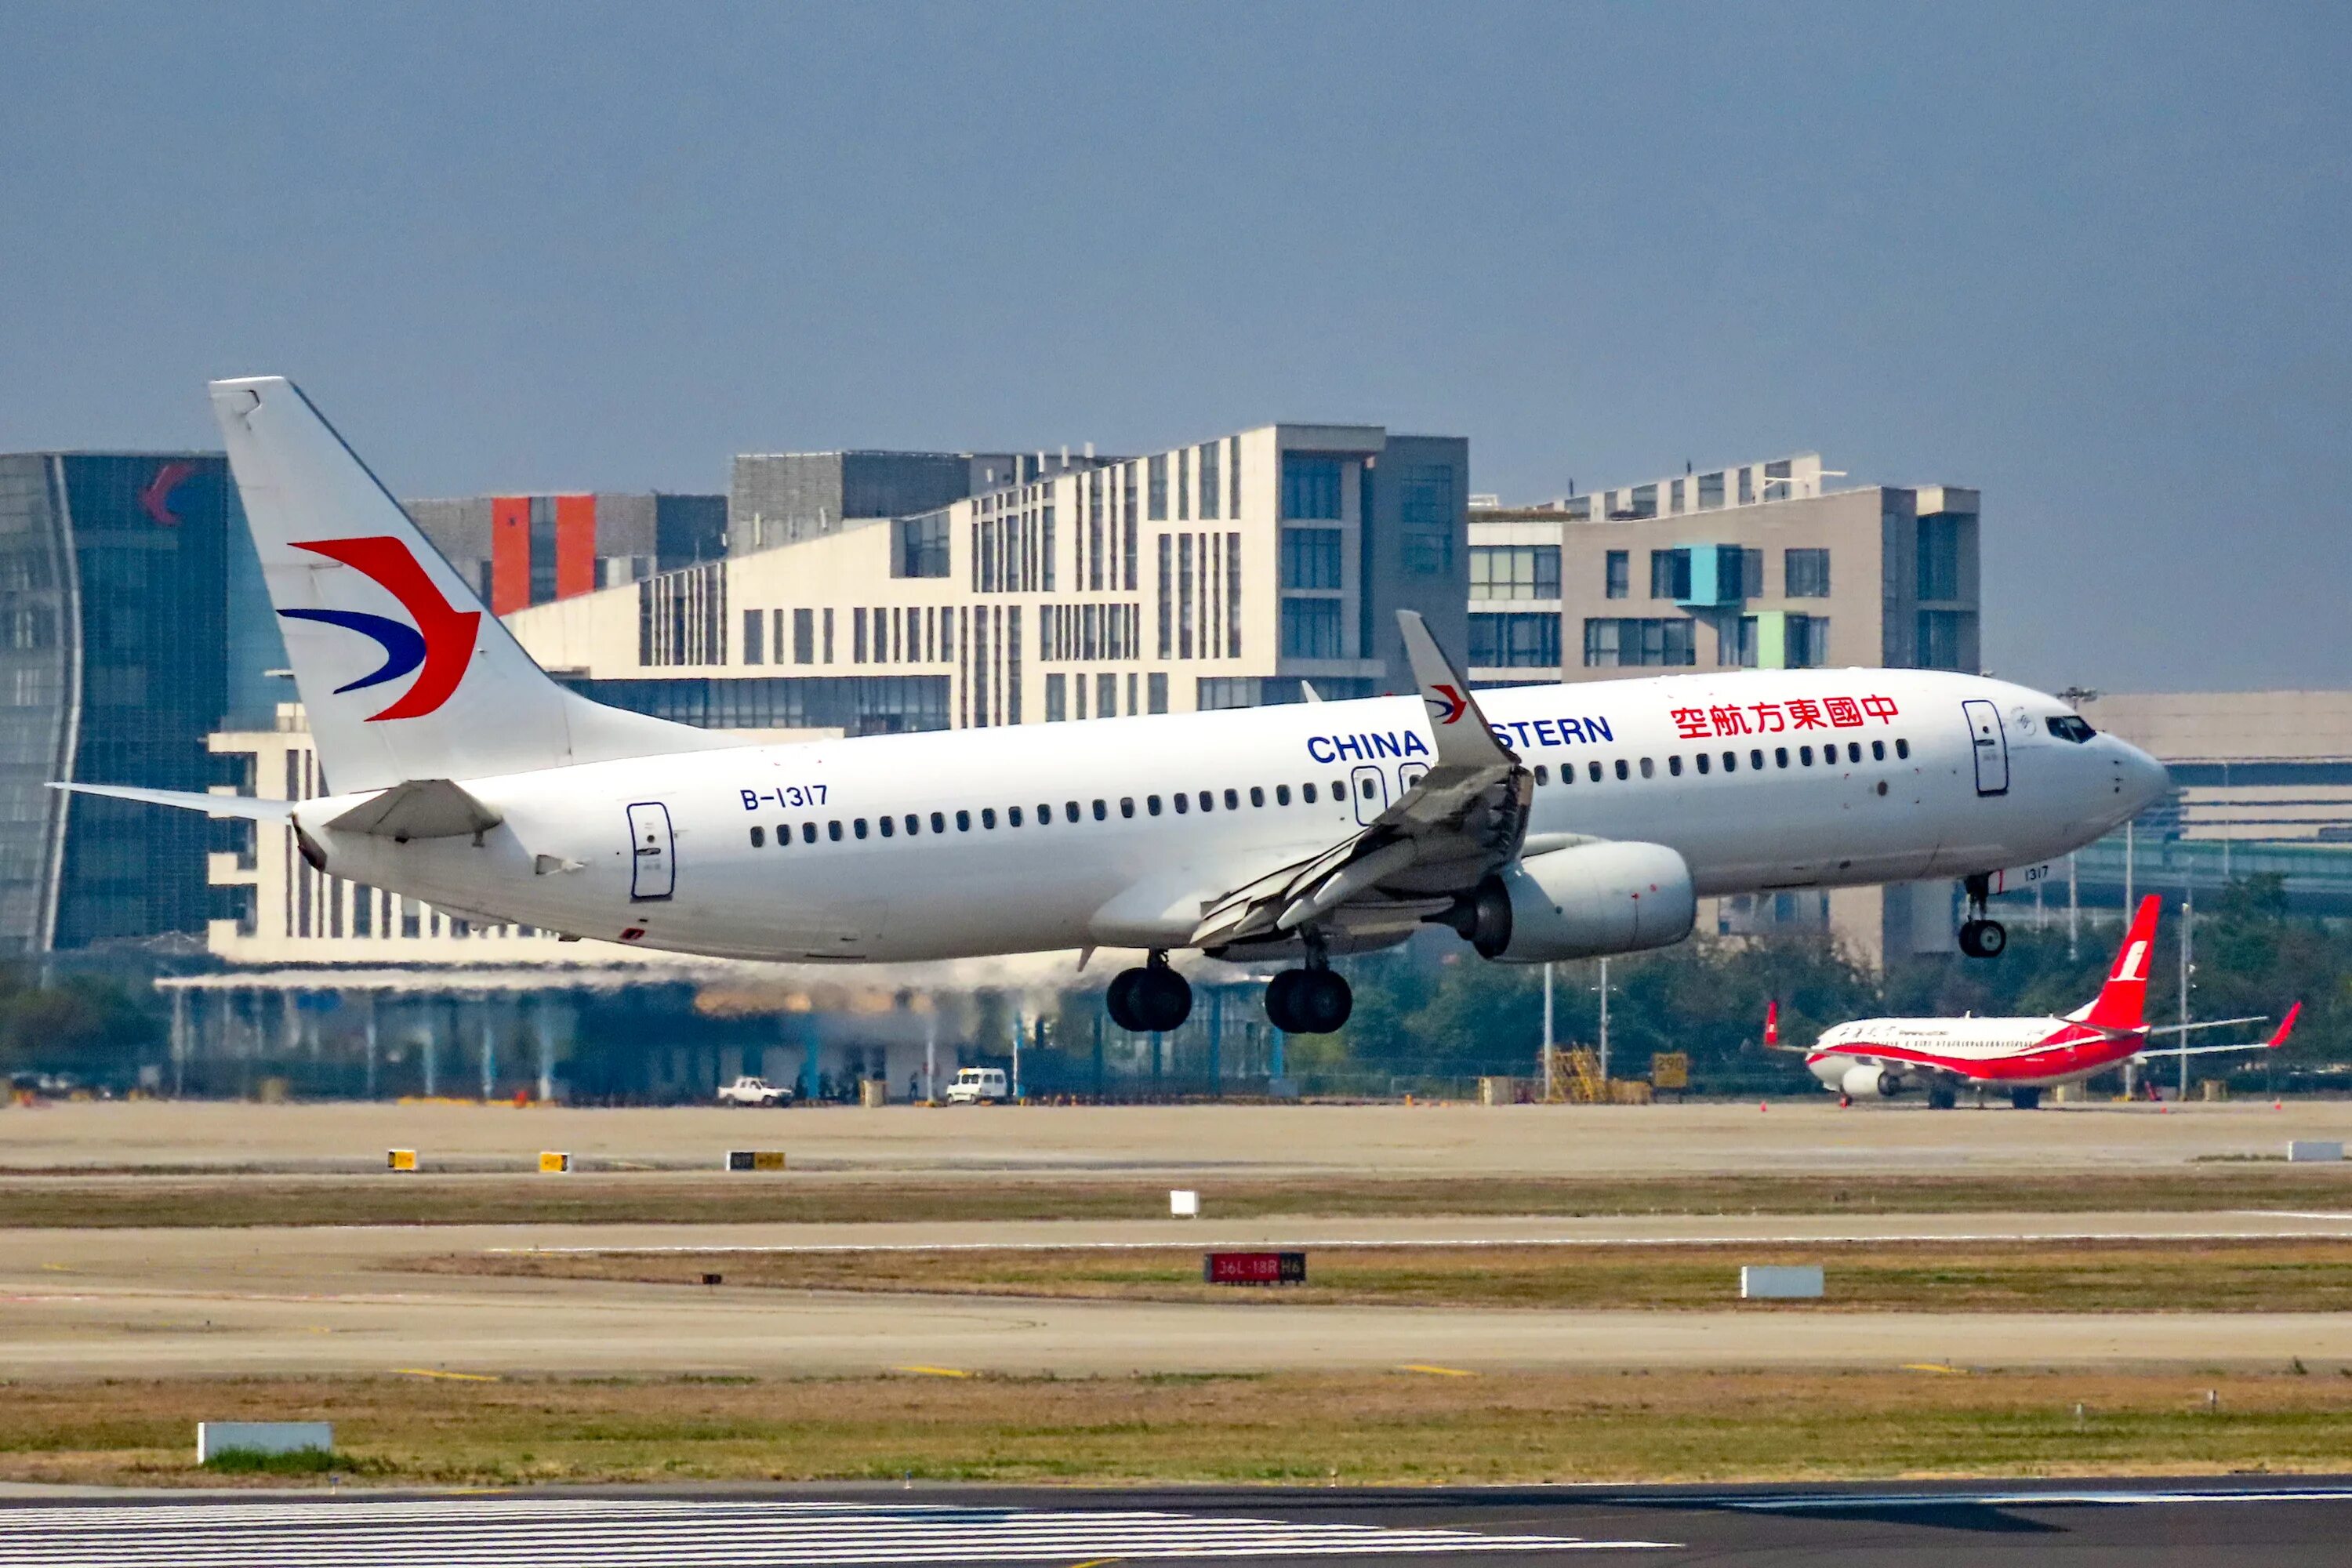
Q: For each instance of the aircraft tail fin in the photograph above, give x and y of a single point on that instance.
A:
(403, 673)
(1772, 1021)
(2122, 1002)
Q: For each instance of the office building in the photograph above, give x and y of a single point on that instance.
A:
(523, 550)
(783, 498)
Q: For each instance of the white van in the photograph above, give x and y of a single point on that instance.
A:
(976, 1086)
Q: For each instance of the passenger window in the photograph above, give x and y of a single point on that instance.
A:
(1282, 795)
(1183, 803)
(1594, 769)
(963, 822)
(1756, 761)
(1151, 803)
(1702, 761)
(858, 828)
(1779, 756)
(1306, 792)
(1903, 748)
(1012, 816)
(939, 822)
(1623, 772)
(1365, 788)
(1102, 811)
(1878, 750)
(1649, 769)
(1675, 765)
(1208, 800)
(808, 832)
(1543, 775)
(914, 824)
(1731, 761)
(759, 838)
(1233, 799)
(887, 831)
(988, 816)
(1070, 810)
(1805, 756)
(1258, 794)
(1338, 789)
(832, 831)
(1127, 805)
(1853, 750)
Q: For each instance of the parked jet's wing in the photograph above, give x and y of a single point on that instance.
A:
(1453, 826)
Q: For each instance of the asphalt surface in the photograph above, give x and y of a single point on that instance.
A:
(2145, 1525)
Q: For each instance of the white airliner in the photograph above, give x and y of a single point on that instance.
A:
(1540, 823)
(1880, 1057)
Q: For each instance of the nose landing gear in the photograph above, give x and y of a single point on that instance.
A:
(1153, 999)
(1980, 937)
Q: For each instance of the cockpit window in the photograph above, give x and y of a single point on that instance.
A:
(2070, 727)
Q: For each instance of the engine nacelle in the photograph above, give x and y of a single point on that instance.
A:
(1866, 1082)
(1585, 901)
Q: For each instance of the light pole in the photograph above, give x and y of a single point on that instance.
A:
(1604, 989)
(1546, 1036)
(2188, 967)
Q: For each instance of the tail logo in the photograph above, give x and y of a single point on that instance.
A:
(1445, 704)
(155, 498)
(440, 644)
(2134, 966)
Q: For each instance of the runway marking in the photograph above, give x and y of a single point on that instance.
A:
(1429, 1371)
(934, 1371)
(515, 1533)
(2101, 1498)
(1934, 1366)
(447, 1376)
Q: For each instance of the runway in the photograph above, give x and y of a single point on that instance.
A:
(2089, 1526)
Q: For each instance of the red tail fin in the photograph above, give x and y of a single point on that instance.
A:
(1772, 1023)
(2286, 1027)
(2123, 1000)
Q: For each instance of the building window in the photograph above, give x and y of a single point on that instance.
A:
(857, 636)
(1805, 573)
(1233, 477)
(1310, 558)
(1426, 511)
(1521, 641)
(1940, 556)
(1209, 486)
(918, 546)
(1515, 572)
(1167, 592)
(1159, 487)
(1056, 700)
(1614, 643)
(1232, 595)
(1185, 583)
(755, 625)
(1311, 488)
(1808, 642)
(1735, 643)
(1618, 582)
(1710, 490)
(1157, 690)
(1670, 576)
(828, 637)
(1943, 639)
(1310, 628)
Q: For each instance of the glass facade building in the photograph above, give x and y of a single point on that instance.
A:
(132, 625)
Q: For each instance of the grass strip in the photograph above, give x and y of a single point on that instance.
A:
(2252, 1275)
(390, 1199)
(1363, 1428)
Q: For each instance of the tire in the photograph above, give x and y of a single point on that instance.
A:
(1321, 1002)
(1942, 1099)
(1119, 1001)
(1281, 1001)
(1163, 1000)
(2025, 1099)
(1992, 938)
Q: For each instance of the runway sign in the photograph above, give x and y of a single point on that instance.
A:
(755, 1159)
(214, 1438)
(1253, 1268)
(1184, 1204)
(400, 1159)
(553, 1163)
(1779, 1283)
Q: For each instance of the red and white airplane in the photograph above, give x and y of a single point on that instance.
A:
(1880, 1058)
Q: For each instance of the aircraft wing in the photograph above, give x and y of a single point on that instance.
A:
(242, 805)
(1460, 820)
(2286, 1027)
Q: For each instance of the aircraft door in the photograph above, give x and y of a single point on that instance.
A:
(1368, 786)
(1990, 743)
(653, 874)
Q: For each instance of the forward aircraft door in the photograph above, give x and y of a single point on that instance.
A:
(653, 874)
(1368, 786)
(1992, 746)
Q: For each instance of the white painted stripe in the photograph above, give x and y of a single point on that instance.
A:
(2106, 1498)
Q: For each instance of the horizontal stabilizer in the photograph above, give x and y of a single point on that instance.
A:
(421, 809)
(237, 806)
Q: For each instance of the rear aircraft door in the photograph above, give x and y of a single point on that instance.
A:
(1990, 743)
(1368, 786)
(653, 874)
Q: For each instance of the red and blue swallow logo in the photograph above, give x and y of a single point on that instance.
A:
(1445, 704)
(440, 645)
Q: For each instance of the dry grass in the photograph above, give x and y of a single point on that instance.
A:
(658, 1198)
(2235, 1276)
(1354, 1428)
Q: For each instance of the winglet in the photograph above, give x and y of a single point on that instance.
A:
(1772, 1023)
(1465, 739)
(2286, 1027)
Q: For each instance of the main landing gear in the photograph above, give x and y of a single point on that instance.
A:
(2025, 1099)
(1310, 1001)
(1153, 999)
(1979, 937)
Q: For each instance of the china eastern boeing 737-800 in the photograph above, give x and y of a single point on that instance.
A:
(1540, 823)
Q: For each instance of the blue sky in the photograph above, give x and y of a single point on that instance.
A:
(2091, 259)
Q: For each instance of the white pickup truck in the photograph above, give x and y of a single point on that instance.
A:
(755, 1091)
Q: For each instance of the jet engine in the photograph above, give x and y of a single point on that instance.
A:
(1865, 1081)
(1585, 901)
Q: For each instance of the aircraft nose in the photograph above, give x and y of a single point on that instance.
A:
(2144, 780)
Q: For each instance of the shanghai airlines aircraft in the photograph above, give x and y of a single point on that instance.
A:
(1540, 823)
(1880, 1057)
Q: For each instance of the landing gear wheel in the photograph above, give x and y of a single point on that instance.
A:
(2025, 1099)
(1119, 1001)
(1942, 1099)
(1308, 1002)
(1983, 939)
(1153, 999)
(1845, 1102)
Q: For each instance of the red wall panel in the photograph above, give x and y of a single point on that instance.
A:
(509, 554)
(576, 546)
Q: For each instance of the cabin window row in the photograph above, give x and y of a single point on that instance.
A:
(1705, 762)
(912, 823)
